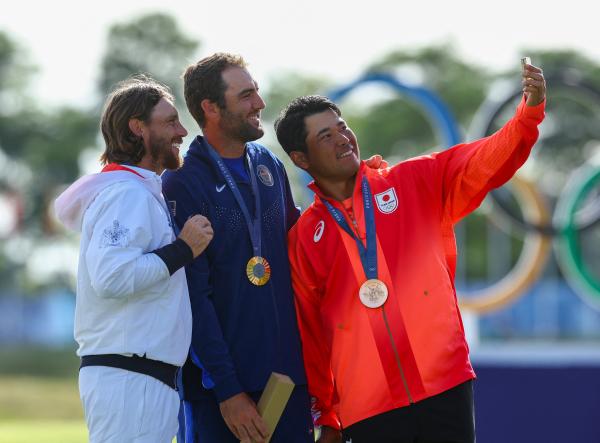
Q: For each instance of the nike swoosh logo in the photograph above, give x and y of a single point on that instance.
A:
(219, 188)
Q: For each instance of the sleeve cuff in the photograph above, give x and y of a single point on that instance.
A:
(175, 255)
(535, 113)
(227, 388)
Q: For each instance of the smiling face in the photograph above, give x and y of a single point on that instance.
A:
(163, 135)
(240, 118)
(332, 150)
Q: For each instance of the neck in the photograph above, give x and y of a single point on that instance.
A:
(225, 146)
(150, 164)
(338, 190)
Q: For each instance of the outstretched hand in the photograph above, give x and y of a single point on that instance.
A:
(534, 85)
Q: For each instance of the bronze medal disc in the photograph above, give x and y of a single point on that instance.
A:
(373, 293)
(258, 271)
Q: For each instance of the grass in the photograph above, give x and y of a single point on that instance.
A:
(40, 409)
(47, 431)
(35, 398)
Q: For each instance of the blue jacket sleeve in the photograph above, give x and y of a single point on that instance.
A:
(207, 338)
(292, 212)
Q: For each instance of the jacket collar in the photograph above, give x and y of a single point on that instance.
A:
(362, 170)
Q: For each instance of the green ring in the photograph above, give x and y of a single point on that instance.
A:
(568, 247)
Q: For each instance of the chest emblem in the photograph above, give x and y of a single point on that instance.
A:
(265, 175)
(387, 201)
(319, 231)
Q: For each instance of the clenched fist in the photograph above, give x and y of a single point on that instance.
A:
(197, 233)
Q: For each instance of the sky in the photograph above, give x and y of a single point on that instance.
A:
(336, 39)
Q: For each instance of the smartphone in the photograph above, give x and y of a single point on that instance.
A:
(525, 61)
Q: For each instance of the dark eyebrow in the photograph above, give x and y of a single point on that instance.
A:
(245, 91)
(322, 131)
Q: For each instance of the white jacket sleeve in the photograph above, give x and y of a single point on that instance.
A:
(121, 223)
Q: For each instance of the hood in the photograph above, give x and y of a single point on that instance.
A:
(71, 205)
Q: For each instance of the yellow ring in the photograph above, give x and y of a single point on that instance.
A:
(536, 248)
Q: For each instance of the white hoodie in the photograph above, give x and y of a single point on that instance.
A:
(126, 301)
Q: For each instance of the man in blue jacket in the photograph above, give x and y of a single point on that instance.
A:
(240, 288)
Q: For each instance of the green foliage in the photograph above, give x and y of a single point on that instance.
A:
(570, 131)
(151, 44)
(286, 86)
(396, 127)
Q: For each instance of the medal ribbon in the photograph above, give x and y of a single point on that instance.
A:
(368, 254)
(392, 368)
(253, 223)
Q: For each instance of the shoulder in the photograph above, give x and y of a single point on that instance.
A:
(308, 222)
(404, 169)
(262, 153)
(126, 190)
(124, 198)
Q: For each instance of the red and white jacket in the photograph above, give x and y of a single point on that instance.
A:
(359, 361)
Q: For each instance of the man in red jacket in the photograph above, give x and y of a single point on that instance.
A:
(373, 262)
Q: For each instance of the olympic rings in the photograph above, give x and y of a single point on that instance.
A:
(492, 109)
(537, 224)
(531, 261)
(568, 249)
(564, 226)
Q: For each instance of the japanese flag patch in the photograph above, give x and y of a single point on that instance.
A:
(386, 201)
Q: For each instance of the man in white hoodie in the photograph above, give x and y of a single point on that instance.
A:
(133, 317)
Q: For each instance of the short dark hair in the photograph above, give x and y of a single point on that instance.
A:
(135, 97)
(290, 126)
(204, 80)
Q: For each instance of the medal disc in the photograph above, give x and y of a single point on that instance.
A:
(258, 271)
(373, 293)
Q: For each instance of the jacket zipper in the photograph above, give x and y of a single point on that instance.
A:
(385, 320)
(397, 355)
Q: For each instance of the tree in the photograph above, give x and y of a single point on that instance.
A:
(396, 127)
(152, 44)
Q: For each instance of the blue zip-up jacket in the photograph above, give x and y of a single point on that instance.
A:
(241, 332)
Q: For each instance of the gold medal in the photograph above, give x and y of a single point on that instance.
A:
(258, 271)
(373, 293)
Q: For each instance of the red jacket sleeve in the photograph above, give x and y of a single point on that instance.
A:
(471, 170)
(316, 352)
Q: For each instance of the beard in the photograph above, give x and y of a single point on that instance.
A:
(162, 152)
(238, 128)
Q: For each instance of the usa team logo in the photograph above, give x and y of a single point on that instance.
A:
(319, 231)
(387, 202)
(264, 175)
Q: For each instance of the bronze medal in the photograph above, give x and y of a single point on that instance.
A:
(258, 270)
(373, 293)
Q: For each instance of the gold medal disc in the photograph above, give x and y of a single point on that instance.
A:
(373, 293)
(258, 271)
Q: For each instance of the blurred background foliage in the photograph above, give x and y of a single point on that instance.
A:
(42, 149)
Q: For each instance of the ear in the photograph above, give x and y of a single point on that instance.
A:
(135, 126)
(211, 109)
(300, 159)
